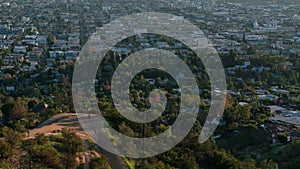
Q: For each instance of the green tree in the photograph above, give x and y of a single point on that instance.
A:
(72, 145)
(12, 137)
(223, 160)
(5, 149)
(19, 110)
(99, 163)
(267, 164)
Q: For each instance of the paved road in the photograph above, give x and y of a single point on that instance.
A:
(292, 120)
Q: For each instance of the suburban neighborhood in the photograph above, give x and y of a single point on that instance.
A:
(258, 43)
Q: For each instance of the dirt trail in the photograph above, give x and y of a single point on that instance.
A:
(70, 121)
(86, 155)
(59, 122)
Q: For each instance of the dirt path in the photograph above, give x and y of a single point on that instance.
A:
(57, 123)
(86, 155)
(70, 121)
(116, 162)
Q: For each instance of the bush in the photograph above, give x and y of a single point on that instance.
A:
(99, 163)
(233, 126)
(282, 137)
